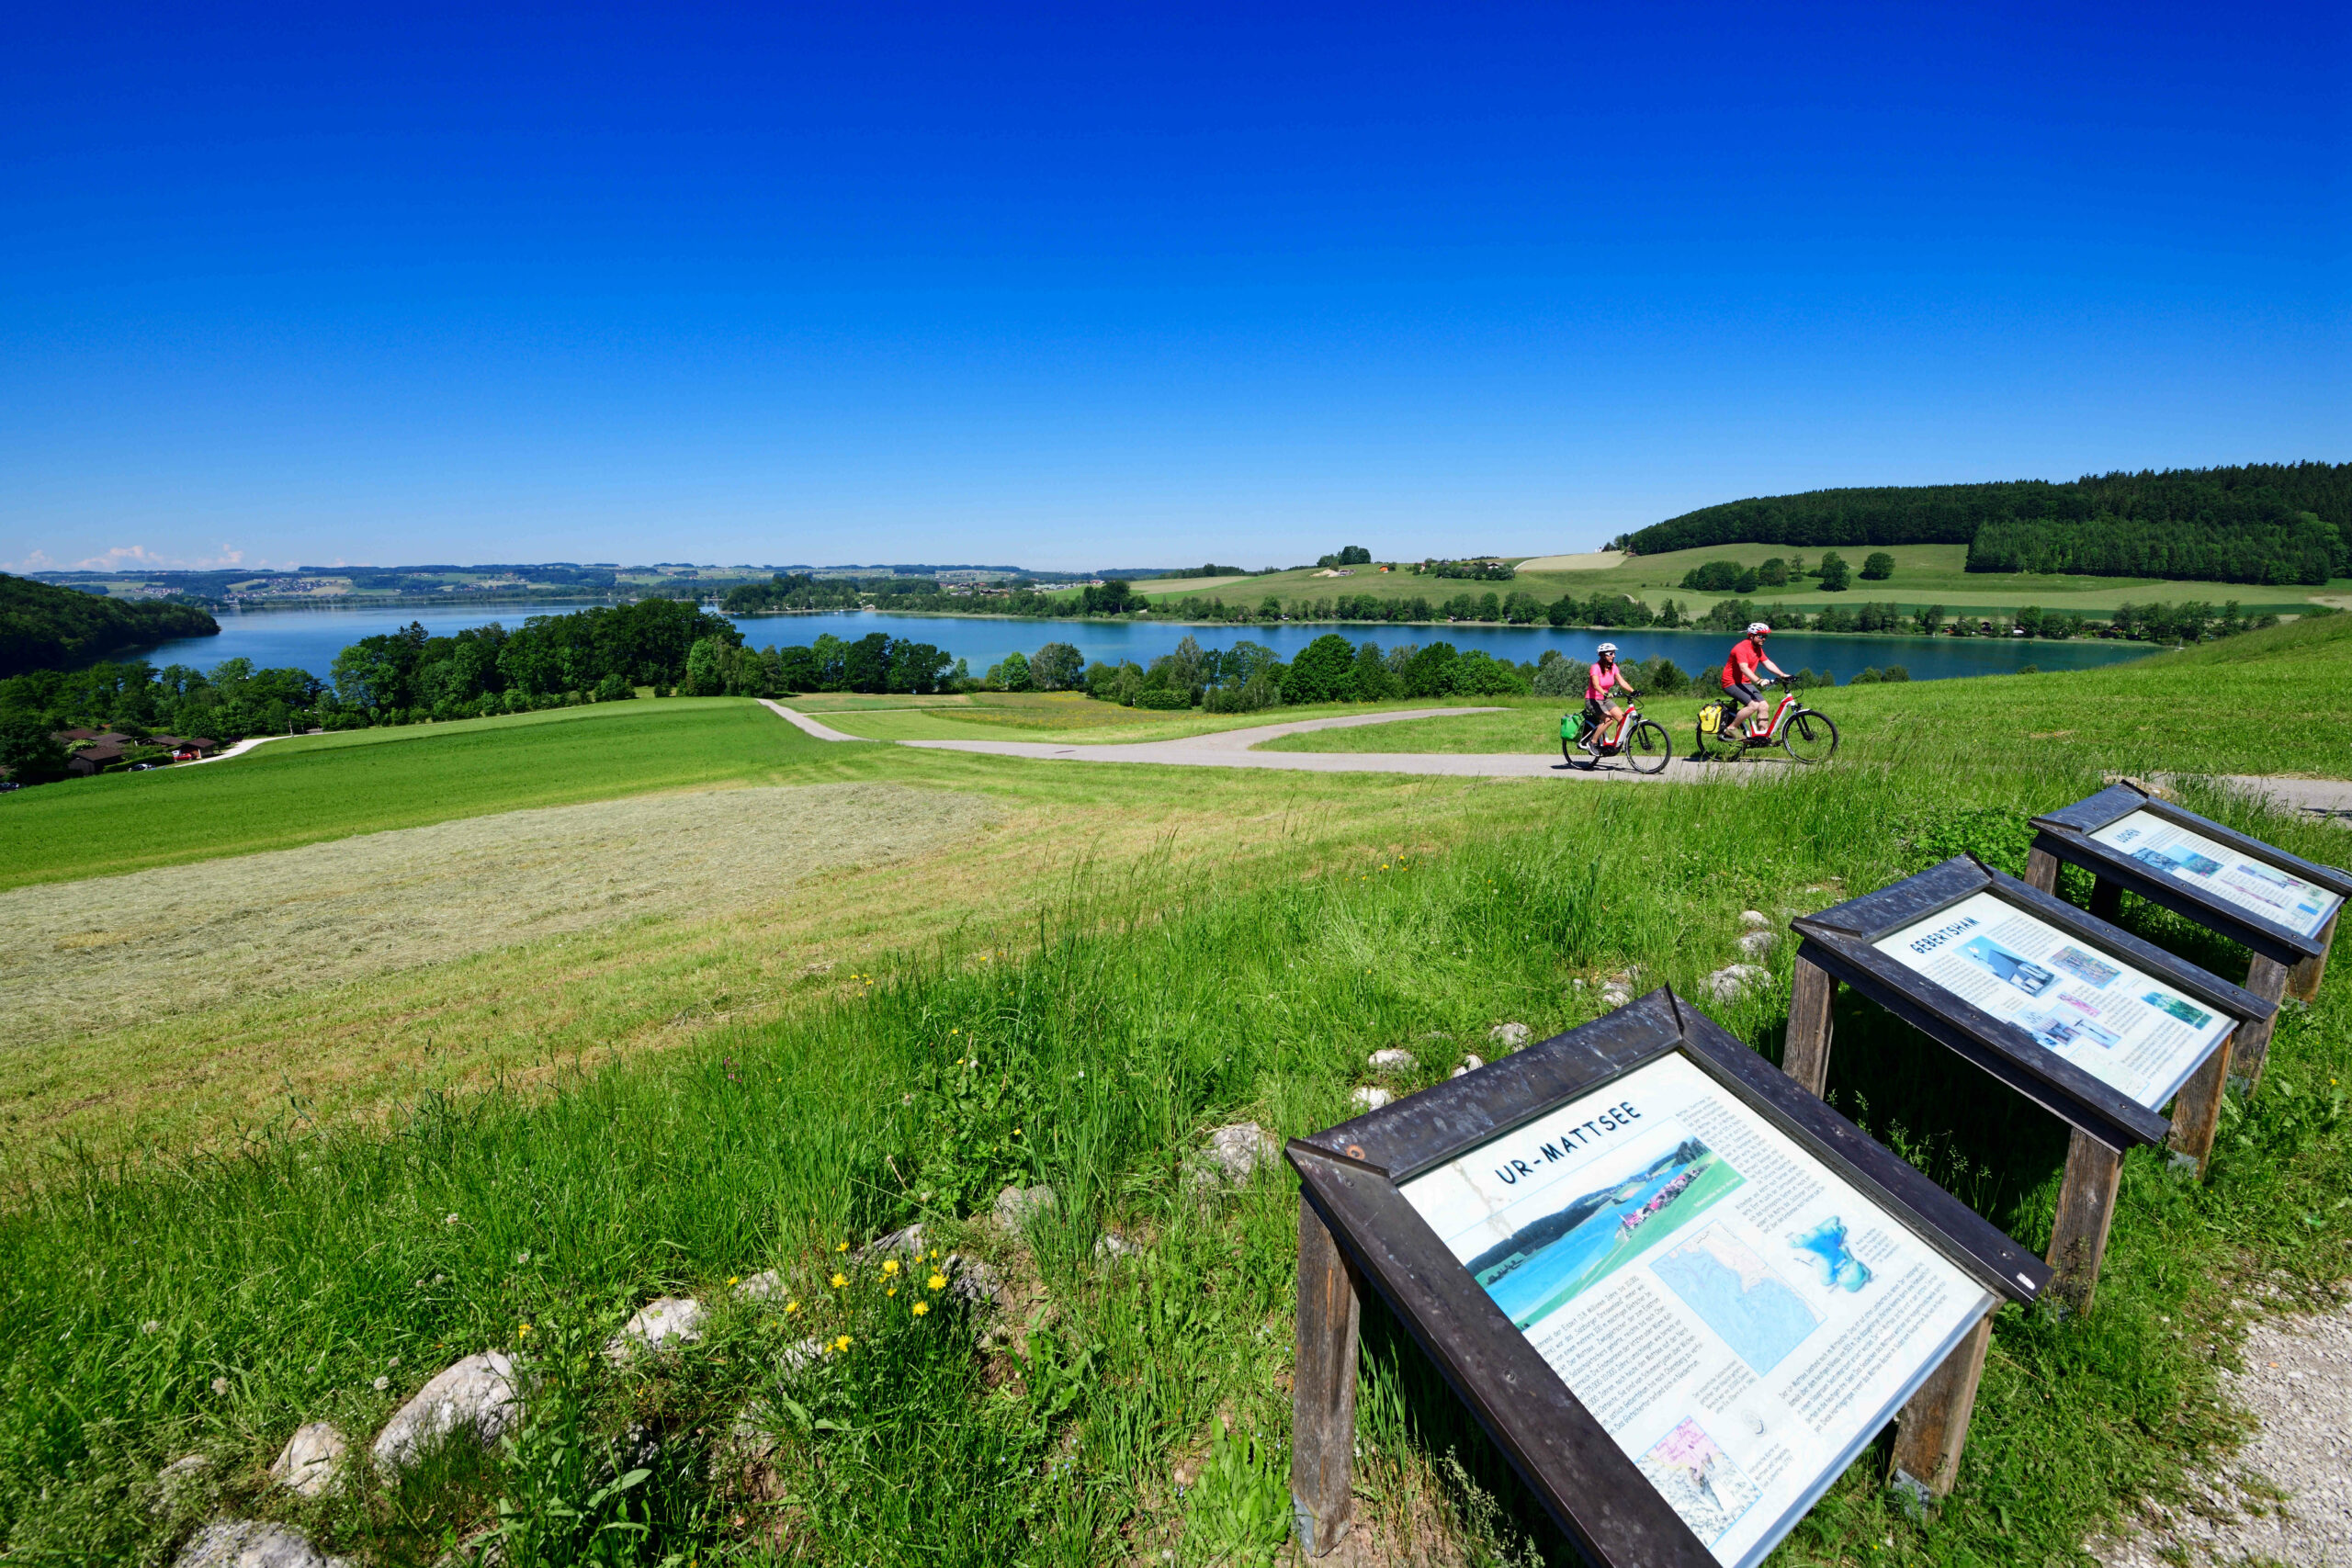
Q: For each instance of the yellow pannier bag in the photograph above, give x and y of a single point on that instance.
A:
(1711, 719)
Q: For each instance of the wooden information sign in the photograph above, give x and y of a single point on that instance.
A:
(1680, 1293)
(2082, 1018)
(2280, 905)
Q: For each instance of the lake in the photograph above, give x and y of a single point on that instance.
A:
(309, 639)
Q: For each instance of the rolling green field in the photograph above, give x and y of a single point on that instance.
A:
(1137, 956)
(301, 790)
(1924, 574)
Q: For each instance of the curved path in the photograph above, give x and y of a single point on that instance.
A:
(1232, 748)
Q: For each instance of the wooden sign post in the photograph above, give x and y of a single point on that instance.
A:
(2085, 1020)
(2282, 906)
(1680, 1293)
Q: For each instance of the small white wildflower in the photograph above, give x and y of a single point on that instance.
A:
(150, 1325)
(438, 1277)
(521, 1258)
(450, 1219)
(383, 1383)
(220, 1387)
(393, 1362)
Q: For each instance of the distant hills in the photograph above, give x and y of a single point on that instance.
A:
(43, 627)
(2277, 523)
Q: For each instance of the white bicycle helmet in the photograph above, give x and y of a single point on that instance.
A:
(1755, 627)
(1606, 647)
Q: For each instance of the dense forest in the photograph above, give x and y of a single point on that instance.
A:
(43, 627)
(2273, 522)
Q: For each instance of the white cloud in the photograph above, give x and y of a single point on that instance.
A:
(139, 557)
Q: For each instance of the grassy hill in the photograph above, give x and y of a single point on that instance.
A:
(298, 1205)
(1924, 574)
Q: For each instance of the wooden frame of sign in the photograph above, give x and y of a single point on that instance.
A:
(2287, 961)
(1923, 914)
(1914, 1346)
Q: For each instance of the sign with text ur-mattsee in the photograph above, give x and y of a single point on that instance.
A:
(1739, 1318)
(1681, 1293)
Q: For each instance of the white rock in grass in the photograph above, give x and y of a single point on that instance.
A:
(1756, 944)
(307, 1465)
(1391, 1061)
(908, 1242)
(247, 1543)
(1369, 1098)
(1236, 1152)
(766, 1285)
(1112, 1247)
(1734, 981)
(476, 1396)
(666, 1322)
(1509, 1036)
(1753, 919)
(1615, 994)
(1015, 1206)
(973, 1282)
(1470, 1063)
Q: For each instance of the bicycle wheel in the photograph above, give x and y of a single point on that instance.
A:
(1809, 737)
(1647, 748)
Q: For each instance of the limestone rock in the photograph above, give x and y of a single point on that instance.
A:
(800, 1356)
(1236, 1151)
(1615, 994)
(1753, 919)
(1470, 1063)
(476, 1396)
(1369, 1098)
(766, 1285)
(1509, 1036)
(307, 1465)
(908, 1242)
(247, 1543)
(1391, 1061)
(1734, 981)
(973, 1282)
(1016, 1206)
(1756, 944)
(1112, 1247)
(666, 1322)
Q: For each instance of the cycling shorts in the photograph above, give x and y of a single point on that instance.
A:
(1742, 691)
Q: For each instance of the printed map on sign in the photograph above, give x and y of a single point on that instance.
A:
(1737, 1317)
(2229, 876)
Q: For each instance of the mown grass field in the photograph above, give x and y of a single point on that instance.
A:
(1132, 958)
(1924, 574)
(303, 789)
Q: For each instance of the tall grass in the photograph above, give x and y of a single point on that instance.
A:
(1095, 1422)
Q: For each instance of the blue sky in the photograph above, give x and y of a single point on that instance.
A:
(1087, 287)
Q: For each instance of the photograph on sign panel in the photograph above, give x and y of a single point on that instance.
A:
(2228, 875)
(1737, 1318)
(2133, 1034)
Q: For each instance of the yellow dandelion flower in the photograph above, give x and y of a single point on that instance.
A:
(922, 1307)
(891, 1267)
(734, 1280)
(841, 1246)
(523, 1329)
(937, 1281)
(842, 1343)
(839, 1280)
(791, 1307)
(891, 1291)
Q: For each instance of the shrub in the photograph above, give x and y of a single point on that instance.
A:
(1878, 566)
(615, 688)
(1833, 573)
(1169, 697)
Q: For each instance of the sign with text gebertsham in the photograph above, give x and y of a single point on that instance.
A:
(1739, 1318)
(2136, 1035)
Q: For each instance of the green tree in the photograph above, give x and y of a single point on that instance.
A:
(1931, 618)
(703, 676)
(1372, 680)
(1833, 572)
(1056, 667)
(29, 751)
(1773, 574)
(1012, 675)
(1429, 671)
(1878, 566)
(1324, 672)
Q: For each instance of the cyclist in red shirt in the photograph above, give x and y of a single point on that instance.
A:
(1600, 680)
(1740, 672)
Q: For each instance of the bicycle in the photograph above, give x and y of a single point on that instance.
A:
(1641, 741)
(1807, 735)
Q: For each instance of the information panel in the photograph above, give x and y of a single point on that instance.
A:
(2133, 1034)
(1737, 1317)
(2227, 875)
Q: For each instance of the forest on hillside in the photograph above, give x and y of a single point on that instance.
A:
(2279, 522)
(43, 627)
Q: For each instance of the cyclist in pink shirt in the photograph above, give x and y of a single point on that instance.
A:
(1603, 678)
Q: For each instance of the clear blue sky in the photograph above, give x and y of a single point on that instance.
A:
(1116, 284)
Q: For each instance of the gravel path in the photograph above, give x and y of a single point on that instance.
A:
(1232, 748)
(2298, 1384)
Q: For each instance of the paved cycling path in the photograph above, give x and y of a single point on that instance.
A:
(1231, 748)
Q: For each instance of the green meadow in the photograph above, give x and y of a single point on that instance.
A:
(1075, 997)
